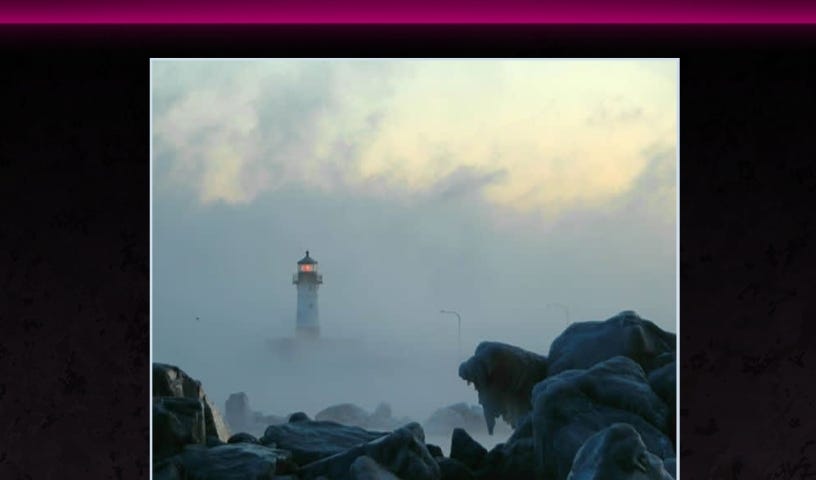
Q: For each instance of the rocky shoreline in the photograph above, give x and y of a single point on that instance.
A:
(599, 406)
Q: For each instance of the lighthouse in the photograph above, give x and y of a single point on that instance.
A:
(307, 280)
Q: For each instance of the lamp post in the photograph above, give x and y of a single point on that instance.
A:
(458, 333)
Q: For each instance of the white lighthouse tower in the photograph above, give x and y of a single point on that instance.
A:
(307, 280)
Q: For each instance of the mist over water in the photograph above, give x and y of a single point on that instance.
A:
(387, 274)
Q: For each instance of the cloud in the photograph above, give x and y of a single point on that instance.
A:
(538, 137)
(465, 180)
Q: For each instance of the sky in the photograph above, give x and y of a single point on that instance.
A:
(523, 194)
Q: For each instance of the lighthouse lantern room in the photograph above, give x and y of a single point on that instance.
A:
(307, 280)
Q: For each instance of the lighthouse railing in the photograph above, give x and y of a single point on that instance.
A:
(318, 278)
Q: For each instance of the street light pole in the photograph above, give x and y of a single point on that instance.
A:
(458, 333)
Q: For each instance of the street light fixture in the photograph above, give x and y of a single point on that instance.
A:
(459, 332)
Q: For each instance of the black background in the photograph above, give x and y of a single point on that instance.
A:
(74, 231)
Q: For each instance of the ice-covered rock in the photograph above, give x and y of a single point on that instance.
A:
(312, 440)
(570, 407)
(402, 452)
(236, 461)
(584, 344)
(504, 376)
(664, 383)
(366, 468)
(616, 453)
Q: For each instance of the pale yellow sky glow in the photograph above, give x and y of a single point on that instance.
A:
(532, 135)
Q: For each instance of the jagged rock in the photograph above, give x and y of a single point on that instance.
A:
(298, 417)
(237, 461)
(466, 450)
(176, 423)
(434, 450)
(459, 415)
(584, 344)
(570, 407)
(171, 381)
(237, 412)
(242, 438)
(311, 440)
(504, 376)
(366, 468)
(451, 469)
(344, 414)
(616, 453)
(401, 452)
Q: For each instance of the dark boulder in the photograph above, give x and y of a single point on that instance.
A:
(298, 417)
(451, 469)
(435, 450)
(366, 468)
(176, 422)
(570, 407)
(242, 438)
(616, 453)
(663, 381)
(466, 450)
(401, 452)
(311, 440)
(584, 344)
(504, 376)
(171, 381)
(237, 461)
(514, 460)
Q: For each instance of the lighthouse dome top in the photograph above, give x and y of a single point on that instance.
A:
(307, 260)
